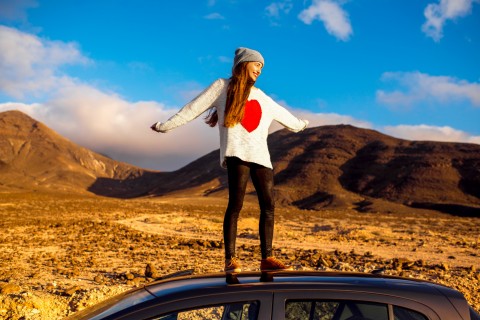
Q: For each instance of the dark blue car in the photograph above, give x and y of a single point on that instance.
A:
(286, 295)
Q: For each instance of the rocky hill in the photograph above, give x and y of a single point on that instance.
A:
(35, 158)
(335, 165)
(323, 167)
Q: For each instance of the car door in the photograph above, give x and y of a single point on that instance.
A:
(248, 305)
(346, 305)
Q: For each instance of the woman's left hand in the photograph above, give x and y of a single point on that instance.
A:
(154, 127)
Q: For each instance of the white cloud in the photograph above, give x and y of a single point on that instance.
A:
(430, 133)
(108, 124)
(25, 108)
(334, 18)
(320, 119)
(421, 87)
(323, 119)
(214, 16)
(225, 59)
(409, 132)
(31, 65)
(275, 9)
(437, 14)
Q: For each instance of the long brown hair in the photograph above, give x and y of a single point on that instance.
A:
(237, 94)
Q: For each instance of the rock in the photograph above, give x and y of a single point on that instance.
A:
(397, 266)
(50, 286)
(138, 280)
(71, 291)
(324, 263)
(151, 271)
(10, 288)
(378, 271)
(368, 254)
(215, 244)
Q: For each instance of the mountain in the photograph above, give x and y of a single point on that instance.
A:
(334, 165)
(337, 166)
(34, 157)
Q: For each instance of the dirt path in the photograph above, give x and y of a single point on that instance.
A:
(385, 241)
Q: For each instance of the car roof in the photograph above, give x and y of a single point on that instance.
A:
(278, 280)
(427, 292)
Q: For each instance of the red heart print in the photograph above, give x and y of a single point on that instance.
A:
(252, 115)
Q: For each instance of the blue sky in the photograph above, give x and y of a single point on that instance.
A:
(101, 72)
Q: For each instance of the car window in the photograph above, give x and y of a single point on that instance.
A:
(335, 310)
(474, 314)
(232, 311)
(400, 313)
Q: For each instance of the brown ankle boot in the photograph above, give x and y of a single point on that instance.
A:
(232, 265)
(272, 264)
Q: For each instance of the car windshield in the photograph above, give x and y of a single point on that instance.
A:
(116, 303)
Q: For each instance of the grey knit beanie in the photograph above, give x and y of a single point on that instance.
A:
(246, 55)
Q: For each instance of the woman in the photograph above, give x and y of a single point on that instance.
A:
(244, 114)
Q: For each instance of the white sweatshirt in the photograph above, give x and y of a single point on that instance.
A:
(246, 140)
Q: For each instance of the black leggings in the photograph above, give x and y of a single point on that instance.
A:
(262, 178)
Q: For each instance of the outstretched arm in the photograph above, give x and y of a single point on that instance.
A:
(285, 118)
(193, 109)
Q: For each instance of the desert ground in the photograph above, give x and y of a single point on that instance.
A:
(62, 253)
